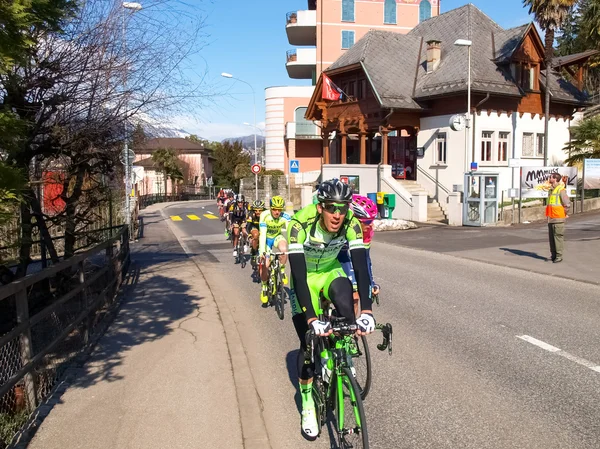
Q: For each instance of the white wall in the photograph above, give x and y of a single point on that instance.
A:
(515, 125)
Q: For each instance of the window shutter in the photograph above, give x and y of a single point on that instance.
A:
(345, 39)
(348, 10)
(350, 38)
(424, 10)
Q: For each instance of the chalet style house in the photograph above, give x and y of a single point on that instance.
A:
(403, 90)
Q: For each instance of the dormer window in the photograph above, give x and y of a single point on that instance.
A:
(526, 75)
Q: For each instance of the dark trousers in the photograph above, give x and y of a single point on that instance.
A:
(556, 235)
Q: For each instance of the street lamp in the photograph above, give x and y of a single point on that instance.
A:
(230, 76)
(127, 155)
(467, 43)
(262, 134)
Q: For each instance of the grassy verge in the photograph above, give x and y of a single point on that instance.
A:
(10, 424)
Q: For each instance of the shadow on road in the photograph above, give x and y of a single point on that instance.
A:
(518, 252)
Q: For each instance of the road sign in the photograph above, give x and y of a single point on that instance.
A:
(294, 166)
(127, 155)
(256, 169)
(210, 181)
(473, 166)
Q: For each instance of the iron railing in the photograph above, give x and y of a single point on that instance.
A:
(48, 317)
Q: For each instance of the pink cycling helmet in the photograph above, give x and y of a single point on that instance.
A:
(364, 208)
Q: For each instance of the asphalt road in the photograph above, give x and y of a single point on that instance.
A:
(484, 356)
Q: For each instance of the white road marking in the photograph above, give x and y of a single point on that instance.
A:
(573, 358)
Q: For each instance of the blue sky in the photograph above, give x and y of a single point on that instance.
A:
(248, 40)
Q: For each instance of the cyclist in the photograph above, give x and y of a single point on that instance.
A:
(227, 205)
(365, 210)
(272, 222)
(316, 235)
(253, 224)
(221, 197)
(237, 217)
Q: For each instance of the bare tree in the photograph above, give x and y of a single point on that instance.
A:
(79, 92)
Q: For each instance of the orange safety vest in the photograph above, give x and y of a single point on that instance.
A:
(555, 208)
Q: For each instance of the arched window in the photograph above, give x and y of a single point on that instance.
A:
(348, 10)
(299, 117)
(424, 10)
(389, 11)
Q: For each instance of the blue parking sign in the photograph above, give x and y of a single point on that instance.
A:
(294, 166)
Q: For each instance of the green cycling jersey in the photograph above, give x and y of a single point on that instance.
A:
(320, 247)
(320, 267)
(270, 228)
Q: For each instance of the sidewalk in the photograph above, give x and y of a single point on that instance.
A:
(161, 376)
(523, 246)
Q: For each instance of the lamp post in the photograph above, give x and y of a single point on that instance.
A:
(127, 158)
(262, 134)
(229, 75)
(467, 43)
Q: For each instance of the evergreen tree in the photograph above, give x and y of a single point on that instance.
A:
(231, 164)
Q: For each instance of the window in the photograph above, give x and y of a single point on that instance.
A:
(525, 75)
(389, 12)
(360, 89)
(539, 148)
(440, 147)
(347, 10)
(486, 146)
(527, 150)
(347, 39)
(424, 10)
(351, 89)
(503, 146)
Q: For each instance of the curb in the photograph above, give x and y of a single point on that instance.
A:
(254, 430)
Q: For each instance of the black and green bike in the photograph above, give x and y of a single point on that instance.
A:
(335, 387)
(275, 290)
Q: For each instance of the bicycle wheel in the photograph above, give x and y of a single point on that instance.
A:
(318, 393)
(351, 425)
(361, 364)
(279, 295)
(241, 254)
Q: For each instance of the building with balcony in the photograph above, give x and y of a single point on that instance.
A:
(319, 35)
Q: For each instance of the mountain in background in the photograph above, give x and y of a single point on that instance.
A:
(247, 141)
(154, 127)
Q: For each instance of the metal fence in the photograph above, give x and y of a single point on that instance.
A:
(147, 200)
(47, 318)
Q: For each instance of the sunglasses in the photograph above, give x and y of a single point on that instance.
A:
(366, 222)
(332, 208)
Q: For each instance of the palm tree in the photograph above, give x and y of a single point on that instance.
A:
(585, 141)
(167, 162)
(550, 15)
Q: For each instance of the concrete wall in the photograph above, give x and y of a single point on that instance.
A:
(537, 213)
(405, 209)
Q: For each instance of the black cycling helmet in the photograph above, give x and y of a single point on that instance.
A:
(334, 191)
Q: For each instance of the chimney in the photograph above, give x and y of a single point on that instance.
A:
(434, 54)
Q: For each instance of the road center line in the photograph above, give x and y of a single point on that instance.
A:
(560, 352)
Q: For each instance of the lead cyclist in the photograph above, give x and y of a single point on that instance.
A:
(316, 234)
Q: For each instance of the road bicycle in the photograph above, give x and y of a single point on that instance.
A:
(335, 390)
(241, 244)
(275, 290)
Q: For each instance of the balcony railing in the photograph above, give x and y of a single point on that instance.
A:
(291, 17)
(303, 130)
(291, 55)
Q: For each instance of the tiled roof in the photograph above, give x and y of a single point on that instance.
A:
(562, 90)
(507, 41)
(466, 22)
(175, 143)
(568, 59)
(396, 64)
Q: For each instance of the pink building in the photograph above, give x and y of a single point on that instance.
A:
(324, 32)
(196, 165)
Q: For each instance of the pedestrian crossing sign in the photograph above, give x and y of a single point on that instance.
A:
(294, 166)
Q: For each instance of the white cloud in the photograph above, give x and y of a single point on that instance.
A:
(213, 131)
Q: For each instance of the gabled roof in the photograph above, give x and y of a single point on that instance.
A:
(175, 143)
(451, 74)
(561, 89)
(560, 61)
(506, 42)
(396, 64)
(387, 74)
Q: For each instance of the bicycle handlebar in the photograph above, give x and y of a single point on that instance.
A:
(347, 329)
